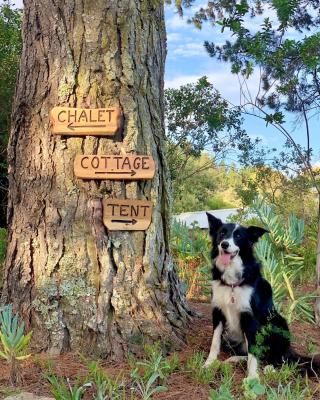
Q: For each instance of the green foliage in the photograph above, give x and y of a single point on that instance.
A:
(197, 120)
(282, 265)
(191, 250)
(10, 50)
(252, 388)
(203, 185)
(14, 344)
(105, 387)
(260, 349)
(223, 393)
(146, 389)
(62, 390)
(283, 375)
(291, 391)
(194, 367)
(155, 362)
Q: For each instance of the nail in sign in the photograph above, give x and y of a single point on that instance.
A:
(85, 121)
(127, 215)
(128, 167)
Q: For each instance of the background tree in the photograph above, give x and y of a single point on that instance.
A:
(198, 120)
(10, 50)
(76, 284)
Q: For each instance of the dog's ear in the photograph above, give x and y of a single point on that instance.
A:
(214, 224)
(255, 233)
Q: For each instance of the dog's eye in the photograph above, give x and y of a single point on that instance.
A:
(237, 235)
(222, 234)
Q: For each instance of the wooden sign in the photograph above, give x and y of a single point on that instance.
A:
(85, 121)
(114, 167)
(127, 215)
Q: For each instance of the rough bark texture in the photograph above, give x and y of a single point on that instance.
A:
(77, 285)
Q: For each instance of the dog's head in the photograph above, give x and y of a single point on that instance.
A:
(232, 240)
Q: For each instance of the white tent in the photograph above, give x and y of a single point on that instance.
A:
(200, 217)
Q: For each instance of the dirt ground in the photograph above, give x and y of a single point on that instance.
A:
(180, 386)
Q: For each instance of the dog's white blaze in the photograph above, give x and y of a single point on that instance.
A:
(232, 246)
(221, 298)
(215, 345)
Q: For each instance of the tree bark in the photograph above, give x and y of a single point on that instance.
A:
(77, 285)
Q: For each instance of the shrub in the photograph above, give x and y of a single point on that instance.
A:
(191, 249)
(14, 344)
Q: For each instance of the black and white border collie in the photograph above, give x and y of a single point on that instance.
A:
(244, 318)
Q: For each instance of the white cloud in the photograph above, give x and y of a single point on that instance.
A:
(189, 50)
(174, 37)
(177, 22)
(225, 82)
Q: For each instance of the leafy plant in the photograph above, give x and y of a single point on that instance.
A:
(14, 344)
(194, 367)
(65, 391)
(252, 388)
(223, 393)
(291, 391)
(282, 264)
(105, 387)
(155, 362)
(147, 388)
(283, 375)
(191, 249)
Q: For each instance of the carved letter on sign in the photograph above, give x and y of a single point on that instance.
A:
(114, 167)
(127, 215)
(85, 121)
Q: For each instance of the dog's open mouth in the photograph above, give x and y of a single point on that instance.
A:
(226, 257)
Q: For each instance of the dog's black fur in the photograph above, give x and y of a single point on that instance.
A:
(276, 337)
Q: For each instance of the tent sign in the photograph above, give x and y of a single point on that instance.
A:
(127, 215)
(85, 121)
(129, 167)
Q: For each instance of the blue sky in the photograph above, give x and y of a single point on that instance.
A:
(187, 61)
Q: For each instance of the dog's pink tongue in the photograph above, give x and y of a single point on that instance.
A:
(225, 258)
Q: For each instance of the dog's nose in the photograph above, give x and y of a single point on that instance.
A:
(224, 245)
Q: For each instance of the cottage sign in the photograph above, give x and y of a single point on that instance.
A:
(127, 215)
(85, 121)
(129, 167)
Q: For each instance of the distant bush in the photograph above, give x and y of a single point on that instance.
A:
(216, 203)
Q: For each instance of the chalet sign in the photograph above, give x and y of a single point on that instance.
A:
(85, 121)
(127, 215)
(129, 167)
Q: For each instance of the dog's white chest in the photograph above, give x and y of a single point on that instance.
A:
(232, 303)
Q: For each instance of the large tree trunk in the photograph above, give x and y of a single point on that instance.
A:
(78, 285)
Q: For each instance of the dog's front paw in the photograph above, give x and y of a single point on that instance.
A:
(208, 363)
(253, 375)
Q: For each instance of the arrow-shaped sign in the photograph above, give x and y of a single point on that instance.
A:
(73, 127)
(131, 173)
(125, 221)
(115, 167)
(86, 121)
(127, 214)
